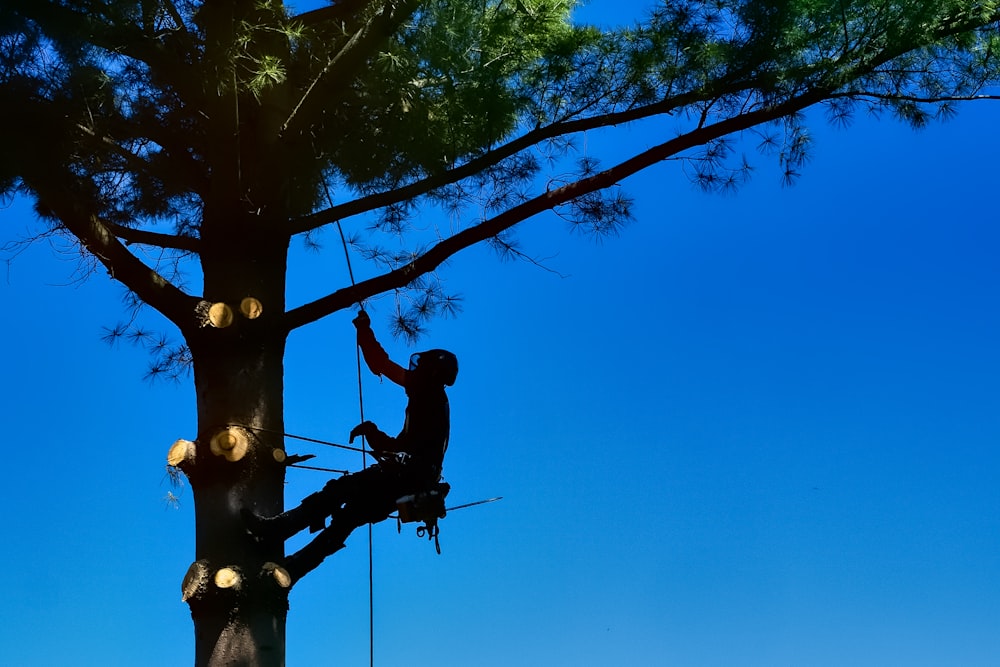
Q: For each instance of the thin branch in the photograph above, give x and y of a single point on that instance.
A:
(116, 38)
(134, 161)
(145, 237)
(329, 65)
(128, 234)
(334, 12)
(887, 97)
(375, 31)
(175, 15)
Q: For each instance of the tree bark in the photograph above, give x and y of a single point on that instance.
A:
(238, 604)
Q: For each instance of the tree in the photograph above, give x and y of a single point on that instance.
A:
(213, 133)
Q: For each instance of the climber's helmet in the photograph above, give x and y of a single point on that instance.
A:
(436, 366)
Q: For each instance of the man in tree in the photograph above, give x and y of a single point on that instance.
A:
(409, 464)
(183, 146)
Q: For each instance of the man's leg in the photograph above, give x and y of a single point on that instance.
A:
(309, 557)
(330, 540)
(370, 501)
(313, 510)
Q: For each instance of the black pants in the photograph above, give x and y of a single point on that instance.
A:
(368, 496)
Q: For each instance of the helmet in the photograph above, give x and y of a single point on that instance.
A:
(435, 366)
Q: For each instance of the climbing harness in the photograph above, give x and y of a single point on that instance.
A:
(427, 506)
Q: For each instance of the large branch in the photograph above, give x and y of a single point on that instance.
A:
(128, 234)
(99, 239)
(734, 84)
(494, 157)
(490, 228)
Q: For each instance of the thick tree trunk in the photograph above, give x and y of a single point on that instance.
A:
(238, 604)
(236, 589)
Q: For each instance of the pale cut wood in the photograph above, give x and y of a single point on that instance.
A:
(251, 308)
(280, 574)
(231, 442)
(220, 315)
(227, 577)
(194, 580)
(181, 451)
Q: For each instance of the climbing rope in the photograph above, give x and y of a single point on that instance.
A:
(364, 452)
(305, 439)
(321, 469)
(371, 566)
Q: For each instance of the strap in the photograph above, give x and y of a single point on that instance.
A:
(431, 529)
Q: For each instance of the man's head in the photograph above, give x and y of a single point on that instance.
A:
(438, 367)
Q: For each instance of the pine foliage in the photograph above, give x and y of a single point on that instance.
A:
(162, 121)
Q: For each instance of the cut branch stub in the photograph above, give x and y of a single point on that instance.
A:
(251, 308)
(279, 455)
(227, 577)
(231, 442)
(195, 580)
(220, 315)
(280, 574)
(181, 452)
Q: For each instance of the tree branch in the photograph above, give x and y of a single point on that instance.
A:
(486, 229)
(98, 238)
(492, 158)
(144, 237)
(128, 234)
(333, 12)
(373, 32)
(916, 99)
(175, 15)
(734, 84)
(346, 48)
(61, 22)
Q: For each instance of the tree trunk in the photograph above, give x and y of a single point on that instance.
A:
(237, 603)
(236, 588)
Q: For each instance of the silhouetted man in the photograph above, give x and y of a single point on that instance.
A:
(408, 464)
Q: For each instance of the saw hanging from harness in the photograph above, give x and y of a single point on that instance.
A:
(407, 477)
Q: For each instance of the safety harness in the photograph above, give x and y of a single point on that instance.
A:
(426, 506)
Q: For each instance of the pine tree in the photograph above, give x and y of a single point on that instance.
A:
(216, 132)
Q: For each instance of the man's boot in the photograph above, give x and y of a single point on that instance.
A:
(311, 555)
(311, 513)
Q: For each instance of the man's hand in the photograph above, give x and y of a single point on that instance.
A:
(366, 430)
(362, 321)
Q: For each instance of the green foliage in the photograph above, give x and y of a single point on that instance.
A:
(397, 91)
(194, 115)
(442, 89)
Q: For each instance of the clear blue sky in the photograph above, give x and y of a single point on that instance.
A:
(754, 430)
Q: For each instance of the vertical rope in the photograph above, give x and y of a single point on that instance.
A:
(364, 458)
(371, 568)
(371, 573)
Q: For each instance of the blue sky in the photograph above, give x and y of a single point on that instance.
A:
(754, 430)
